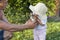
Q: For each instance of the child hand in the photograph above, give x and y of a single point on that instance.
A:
(35, 16)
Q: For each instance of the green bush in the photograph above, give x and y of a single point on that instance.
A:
(18, 11)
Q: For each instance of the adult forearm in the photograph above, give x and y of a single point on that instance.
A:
(20, 27)
(14, 27)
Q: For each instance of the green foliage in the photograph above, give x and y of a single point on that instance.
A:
(18, 12)
(20, 8)
(53, 31)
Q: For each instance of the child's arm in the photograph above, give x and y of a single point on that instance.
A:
(38, 20)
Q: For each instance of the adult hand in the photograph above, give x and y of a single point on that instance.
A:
(31, 24)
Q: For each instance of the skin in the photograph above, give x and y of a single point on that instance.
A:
(38, 20)
(15, 27)
(3, 4)
(7, 34)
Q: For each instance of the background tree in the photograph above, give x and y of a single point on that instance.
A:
(57, 2)
(18, 12)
